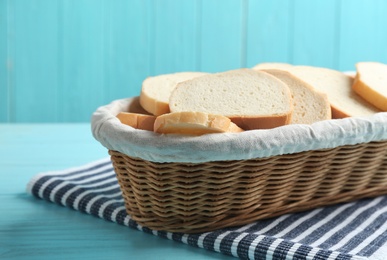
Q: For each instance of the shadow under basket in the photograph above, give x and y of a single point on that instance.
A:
(201, 197)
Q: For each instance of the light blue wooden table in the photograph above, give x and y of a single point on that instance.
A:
(35, 229)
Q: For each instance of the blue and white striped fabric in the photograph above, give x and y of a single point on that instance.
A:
(356, 230)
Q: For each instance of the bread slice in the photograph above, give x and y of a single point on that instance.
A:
(338, 87)
(139, 121)
(194, 123)
(272, 65)
(309, 104)
(371, 83)
(135, 107)
(251, 99)
(155, 92)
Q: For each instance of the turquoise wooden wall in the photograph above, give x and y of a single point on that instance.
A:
(61, 59)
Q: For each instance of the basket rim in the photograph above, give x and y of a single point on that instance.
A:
(113, 135)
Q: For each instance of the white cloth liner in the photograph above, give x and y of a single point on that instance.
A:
(114, 135)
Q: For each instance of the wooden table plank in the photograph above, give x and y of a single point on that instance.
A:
(31, 228)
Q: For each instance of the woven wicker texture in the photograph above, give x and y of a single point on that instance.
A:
(203, 197)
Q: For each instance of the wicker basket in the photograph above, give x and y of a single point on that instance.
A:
(199, 184)
(202, 197)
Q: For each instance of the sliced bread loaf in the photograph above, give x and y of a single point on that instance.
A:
(338, 87)
(155, 91)
(310, 105)
(139, 121)
(252, 99)
(194, 123)
(371, 83)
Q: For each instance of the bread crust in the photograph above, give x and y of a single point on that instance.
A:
(370, 94)
(152, 105)
(194, 123)
(136, 107)
(261, 122)
(367, 92)
(138, 121)
(338, 113)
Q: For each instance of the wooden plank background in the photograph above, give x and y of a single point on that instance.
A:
(61, 59)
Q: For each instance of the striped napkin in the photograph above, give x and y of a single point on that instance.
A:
(356, 230)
